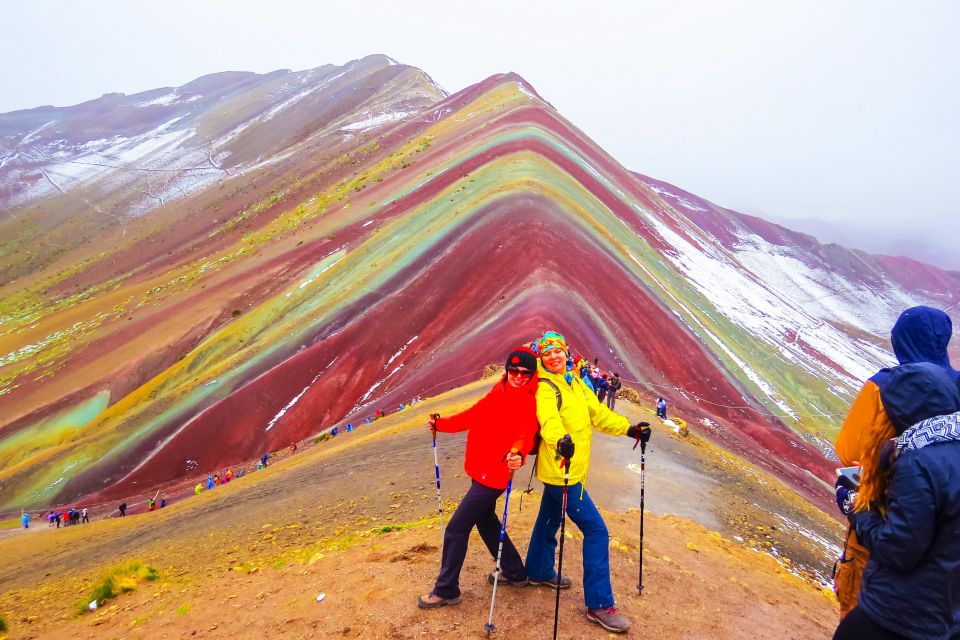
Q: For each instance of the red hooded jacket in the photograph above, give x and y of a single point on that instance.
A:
(504, 419)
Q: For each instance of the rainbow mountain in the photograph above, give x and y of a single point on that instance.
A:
(195, 275)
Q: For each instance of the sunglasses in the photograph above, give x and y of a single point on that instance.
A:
(514, 371)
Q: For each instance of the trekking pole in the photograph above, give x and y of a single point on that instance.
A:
(436, 466)
(529, 488)
(489, 627)
(643, 475)
(565, 463)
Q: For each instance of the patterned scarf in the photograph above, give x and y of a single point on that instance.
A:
(945, 428)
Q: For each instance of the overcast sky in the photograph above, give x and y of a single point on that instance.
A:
(845, 113)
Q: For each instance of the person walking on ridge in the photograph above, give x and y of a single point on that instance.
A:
(503, 420)
(565, 406)
(614, 385)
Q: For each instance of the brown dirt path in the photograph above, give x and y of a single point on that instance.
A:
(354, 518)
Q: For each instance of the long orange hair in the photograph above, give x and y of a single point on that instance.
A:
(876, 475)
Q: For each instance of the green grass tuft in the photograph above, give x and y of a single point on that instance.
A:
(121, 579)
(3, 625)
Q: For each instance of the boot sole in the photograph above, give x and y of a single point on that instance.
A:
(607, 627)
(552, 585)
(423, 604)
(503, 582)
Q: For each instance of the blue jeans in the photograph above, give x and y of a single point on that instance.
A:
(597, 592)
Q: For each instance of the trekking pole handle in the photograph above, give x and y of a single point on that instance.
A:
(514, 451)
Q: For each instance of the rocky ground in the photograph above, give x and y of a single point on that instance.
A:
(729, 551)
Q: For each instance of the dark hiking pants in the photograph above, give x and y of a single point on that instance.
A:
(856, 625)
(611, 399)
(478, 508)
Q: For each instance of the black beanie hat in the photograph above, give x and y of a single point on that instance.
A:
(522, 357)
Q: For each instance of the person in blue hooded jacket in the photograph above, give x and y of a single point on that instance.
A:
(921, 334)
(911, 585)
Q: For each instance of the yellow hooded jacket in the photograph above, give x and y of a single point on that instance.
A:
(580, 412)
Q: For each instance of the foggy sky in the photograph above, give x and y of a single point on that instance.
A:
(839, 118)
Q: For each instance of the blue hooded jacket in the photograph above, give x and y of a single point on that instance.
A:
(911, 584)
(921, 334)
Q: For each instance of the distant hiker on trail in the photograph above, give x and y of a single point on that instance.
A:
(85, 516)
(210, 484)
(661, 408)
(151, 505)
(504, 419)
(349, 427)
(265, 458)
(293, 447)
(216, 479)
(123, 509)
(52, 519)
(198, 489)
(602, 387)
(163, 502)
(921, 334)
(25, 520)
(614, 385)
(334, 432)
(259, 465)
(566, 406)
(59, 517)
(907, 513)
(229, 476)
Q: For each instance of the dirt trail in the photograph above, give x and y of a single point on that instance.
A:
(355, 518)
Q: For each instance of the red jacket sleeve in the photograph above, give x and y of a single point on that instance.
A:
(468, 418)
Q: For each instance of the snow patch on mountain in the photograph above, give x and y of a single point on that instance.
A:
(770, 293)
(375, 121)
(169, 98)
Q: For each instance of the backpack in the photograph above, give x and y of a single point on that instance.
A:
(537, 438)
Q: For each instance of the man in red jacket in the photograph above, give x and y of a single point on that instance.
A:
(504, 419)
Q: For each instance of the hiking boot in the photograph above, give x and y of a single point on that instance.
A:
(431, 601)
(610, 619)
(505, 581)
(565, 582)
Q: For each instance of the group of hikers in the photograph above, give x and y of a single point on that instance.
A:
(899, 575)
(379, 413)
(541, 405)
(65, 517)
(605, 385)
(68, 517)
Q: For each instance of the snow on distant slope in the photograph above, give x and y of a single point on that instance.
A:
(801, 311)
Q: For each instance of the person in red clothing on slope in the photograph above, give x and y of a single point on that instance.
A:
(504, 419)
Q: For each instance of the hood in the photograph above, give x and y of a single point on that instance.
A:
(931, 431)
(916, 392)
(921, 334)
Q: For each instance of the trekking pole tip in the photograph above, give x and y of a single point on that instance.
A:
(488, 627)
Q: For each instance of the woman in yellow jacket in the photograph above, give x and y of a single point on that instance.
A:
(566, 406)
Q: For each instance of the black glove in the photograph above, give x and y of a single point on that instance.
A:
(565, 447)
(844, 481)
(640, 431)
(845, 498)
